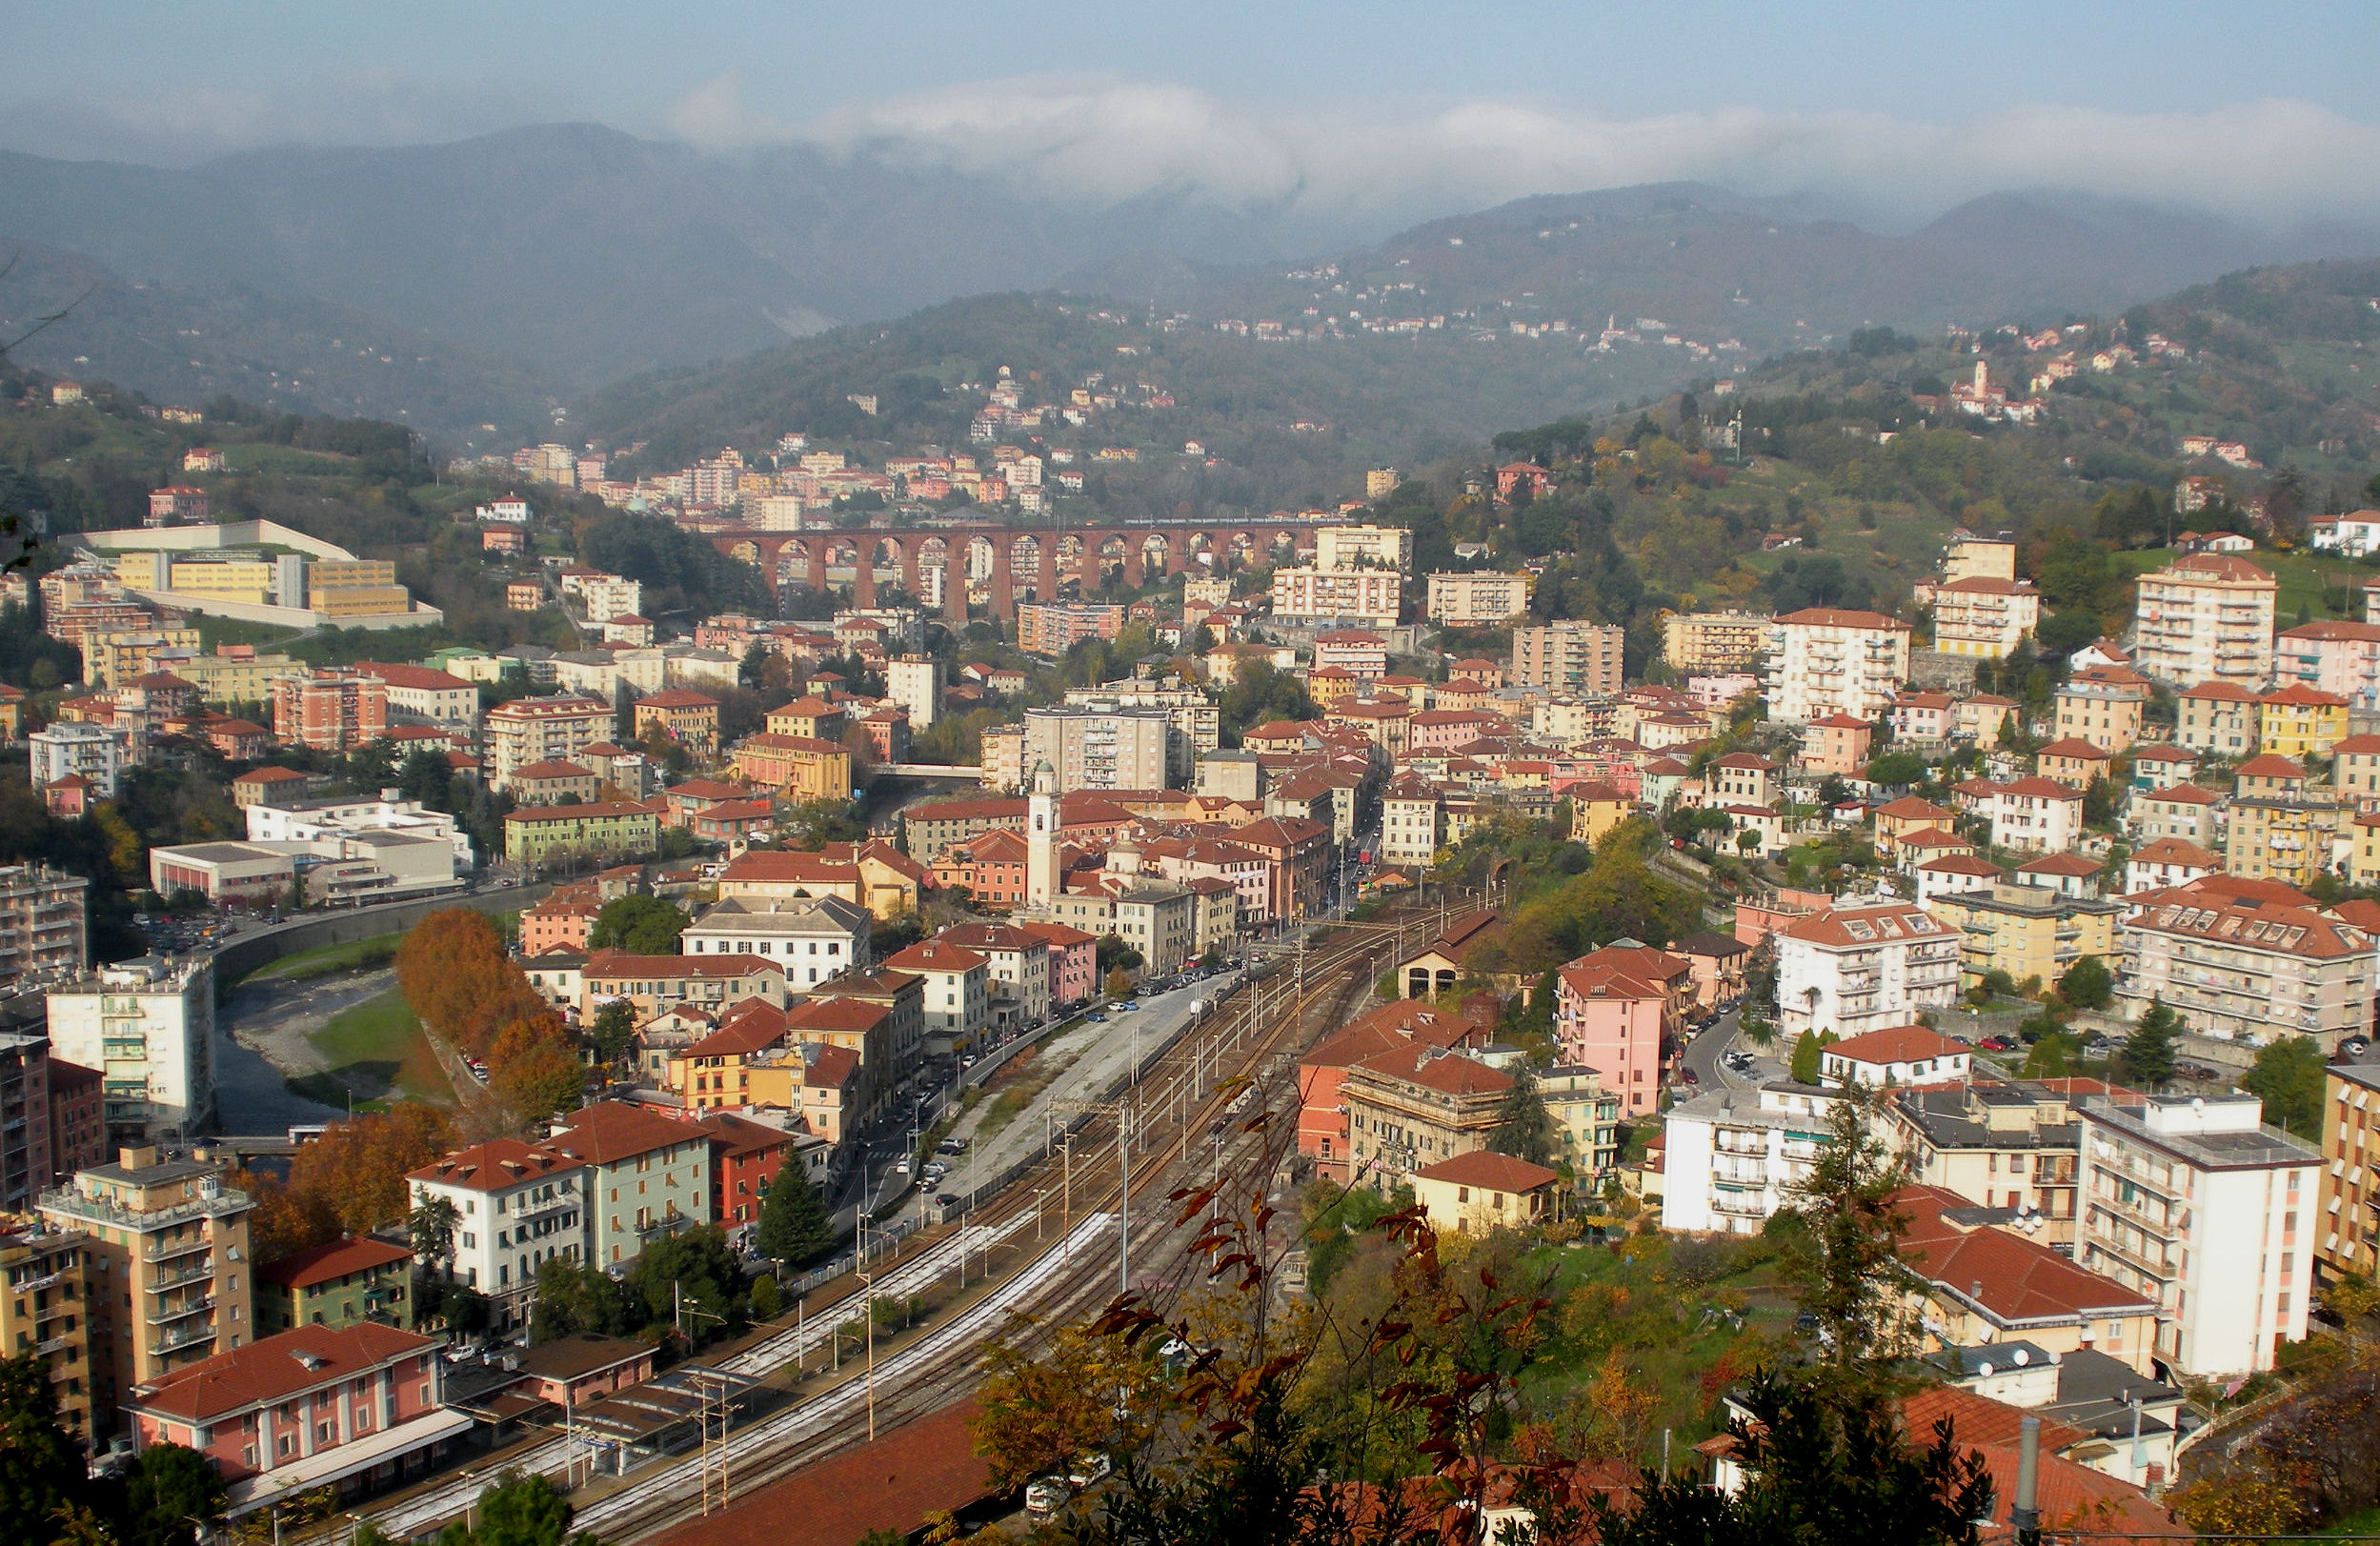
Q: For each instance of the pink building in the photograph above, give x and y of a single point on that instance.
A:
(1443, 729)
(1837, 744)
(1074, 962)
(1614, 1009)
(354, 1407)
(2341, 659)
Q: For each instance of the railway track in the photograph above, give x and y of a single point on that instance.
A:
(1246, 1055)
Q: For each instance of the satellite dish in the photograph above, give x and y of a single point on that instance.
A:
(1984, 1369)
(2023, 1357)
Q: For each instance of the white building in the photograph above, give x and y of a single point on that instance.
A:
(1341, 597)
(516, 1208)
(1108, 748)
(311, 821)
(813, 937)
(1017, 972)
(2206, 618)
(1468, 598)
(2034, 816)
(605, 596)
(1982, 616)
(149, 1026)
(2355, 534)
(1363, 547)
(422, 696)
(1826, 660)
(1903, 1055)
(1733, 1156)
(1864, 964)
(958, 989)
(915, 682)
(509, 510)
(97, 751)
(2195, 1202)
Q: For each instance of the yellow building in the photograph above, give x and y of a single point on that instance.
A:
(348, 574)
(169, 1263)
(2029, 932)
(798, 767)
(359, 601)
(2298, 721)
(2345, 1229)
(111, 659)
(46, 1310)
(1710, 641)
(1478, 1193)
(2279, 837)
(691, 719)
(2363, 858)
(2103, 704)
(222, 579)
(1596, 808)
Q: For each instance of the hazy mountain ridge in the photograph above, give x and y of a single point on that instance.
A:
(549, 263)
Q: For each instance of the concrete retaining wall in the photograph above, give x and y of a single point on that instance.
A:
(251, 949)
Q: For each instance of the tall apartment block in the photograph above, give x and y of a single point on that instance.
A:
(170, 1269)
(43, 932)
(330, 711)
(46, 1310)
(148, 1026)
(2206, 618)
(1569, 656)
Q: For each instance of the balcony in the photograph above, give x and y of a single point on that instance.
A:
(164, 1314)
(180, 1276)
(54, 1344)
(2135, 1257)
(1738, 1204)
(177, 1248)
(74, 1203)
(189, 1337)
(568, 1202)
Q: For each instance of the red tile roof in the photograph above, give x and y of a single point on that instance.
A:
(1896, 1044)
(611, 1131)
(923, 1468)
(321, 1263)
(1496, 1173)
(493, 1166)
(273, 1369)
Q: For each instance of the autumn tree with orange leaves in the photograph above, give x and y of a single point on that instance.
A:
(349, 1182)
(458, 982)
(536, 1070)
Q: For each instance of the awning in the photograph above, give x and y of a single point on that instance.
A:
(345, 1461)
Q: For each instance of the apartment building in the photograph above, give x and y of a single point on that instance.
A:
(2193, 1202)
(1363, 547)
(1734, 1158)
(799, 768)
(2233, 963)
(2029, 932)
(1829, 660)
(99, 754)
(1863, 965)
(2206, 618)
(655, 983)
(1714, 641)
(1137, 749)
(541, 730)
(915, 682)
(1479, 598)
(1414, 1105)
(169, 1263)
(1614, 1010)
(1412, 821)
(2341, 659)
(1052, 628)
(420, 696)
(958, 993)
(2033, 815)
(148, 1026)
(2350, 1176)
(2014, 1144)
(1314, 597)
(46, 1311)
(2300, 721)
(516, 1208)
(330, 711)
(42, 929)
(1017, 972)
(1983, 617)
(1571, 657)
(613, 829)
(340, 1283)
(2103, 704)
(813, 937)
(647, 1177)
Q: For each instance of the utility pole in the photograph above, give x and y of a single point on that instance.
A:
(867, 1311)
(1123, 1113)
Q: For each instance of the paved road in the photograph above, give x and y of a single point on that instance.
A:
(1703, 1053)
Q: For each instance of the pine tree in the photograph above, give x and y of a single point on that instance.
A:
(1524, 1129)
(1804, 1069)
(794, 1227)
(2148, 1051)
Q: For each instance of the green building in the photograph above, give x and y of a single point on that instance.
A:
(620, 829)
(340, 1284)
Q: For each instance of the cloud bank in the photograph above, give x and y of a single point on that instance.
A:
(2273, 162)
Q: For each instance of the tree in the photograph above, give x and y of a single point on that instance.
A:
(168, 1488)
(1895, 769)
(517, 1509)
(573, 1297)
(1524, 1129)
(795, 1227)
(1817, 1466)
(41, 1469)
(1843, 1265)
(2288, 1077)
(690, 1282)
(640, 925)
(612, 1032)
(458, 982)
(1804, 1067)
(1118, 982)
(2087, 984)
(2148, 1052)
(536, 1071)
(430, 1227)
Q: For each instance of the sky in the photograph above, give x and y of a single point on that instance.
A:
(2260, 111)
